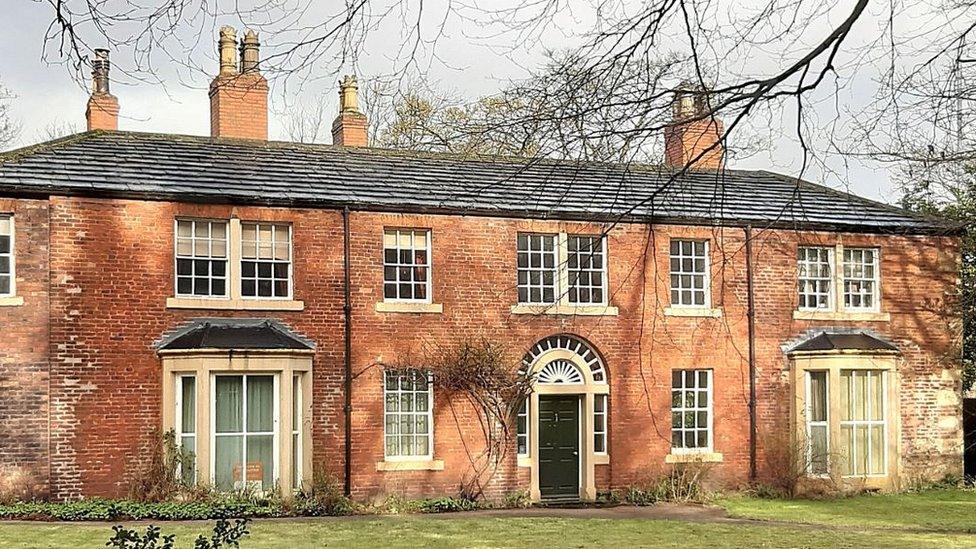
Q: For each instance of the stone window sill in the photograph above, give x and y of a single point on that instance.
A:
(411, 465)
(601, 459)
(858, 316)
(561, 309)
(235, 304)
(11, 301)
(408, 307)
(702, 312)
(694, 457)
(525, 461)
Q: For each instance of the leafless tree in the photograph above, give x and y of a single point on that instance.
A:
(9, 128)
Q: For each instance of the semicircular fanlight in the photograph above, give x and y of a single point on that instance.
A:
(567, 342)
(560, 371)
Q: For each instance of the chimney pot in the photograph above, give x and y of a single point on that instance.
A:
(250, 51)
(349, 128)
(694, 137)
(226, 45)
(239, 99)
(102, 112)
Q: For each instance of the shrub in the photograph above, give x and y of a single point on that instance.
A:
(447, 505)
(517, 500)
(323, 497)
(161, 481)
(108, 510)
(224, 535)
(640, 496)
(130, 539)
(685, 483)
(18, 484)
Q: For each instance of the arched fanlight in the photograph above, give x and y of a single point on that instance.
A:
(560, 371)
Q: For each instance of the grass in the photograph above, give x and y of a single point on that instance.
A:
(491, 532)
(939, 518)
(945, 510)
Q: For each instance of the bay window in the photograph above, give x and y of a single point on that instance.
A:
(845, 423)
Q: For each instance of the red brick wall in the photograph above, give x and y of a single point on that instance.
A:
(24, 399)
(112, 270)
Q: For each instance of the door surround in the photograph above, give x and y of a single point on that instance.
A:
(580, 354)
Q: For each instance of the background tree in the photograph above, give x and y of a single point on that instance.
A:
(9, 128)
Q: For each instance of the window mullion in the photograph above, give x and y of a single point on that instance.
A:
(562, 269)
(235, 249)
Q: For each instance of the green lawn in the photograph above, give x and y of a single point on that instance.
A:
(950, 510)
(417, 531)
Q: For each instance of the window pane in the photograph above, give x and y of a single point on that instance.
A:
(188, 399)
(229, 404)
(228, 460)
(260, 403)
(260, 467)
(818, 396)
(818, 450)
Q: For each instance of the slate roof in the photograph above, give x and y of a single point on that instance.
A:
(843, 341)
(203, 169)
(234, 333)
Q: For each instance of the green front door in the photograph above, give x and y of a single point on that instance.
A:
(559, 447)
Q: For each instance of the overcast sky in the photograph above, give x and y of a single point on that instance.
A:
(46, 95)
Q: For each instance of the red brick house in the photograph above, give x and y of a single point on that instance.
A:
(256, 298)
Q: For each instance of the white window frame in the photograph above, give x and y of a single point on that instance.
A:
(709, 410)
(523, 413)
(556, 290)
(429, 265)
(430, 419)
(707, 275)
(178, 419)
(291, 261)
(561, 275)
(296, 431)
(276, 448)
(12, 255)
(606, 427)
(602, 239)
(855, 423)
(876, 280)
(810, 423)
(831, 279)
(177, 257)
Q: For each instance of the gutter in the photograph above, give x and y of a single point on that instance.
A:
(751, 314)
(347, 358)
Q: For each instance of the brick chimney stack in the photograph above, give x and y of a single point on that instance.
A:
(239, 93)
(103, 107)
(349, 128)
(693, 132)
